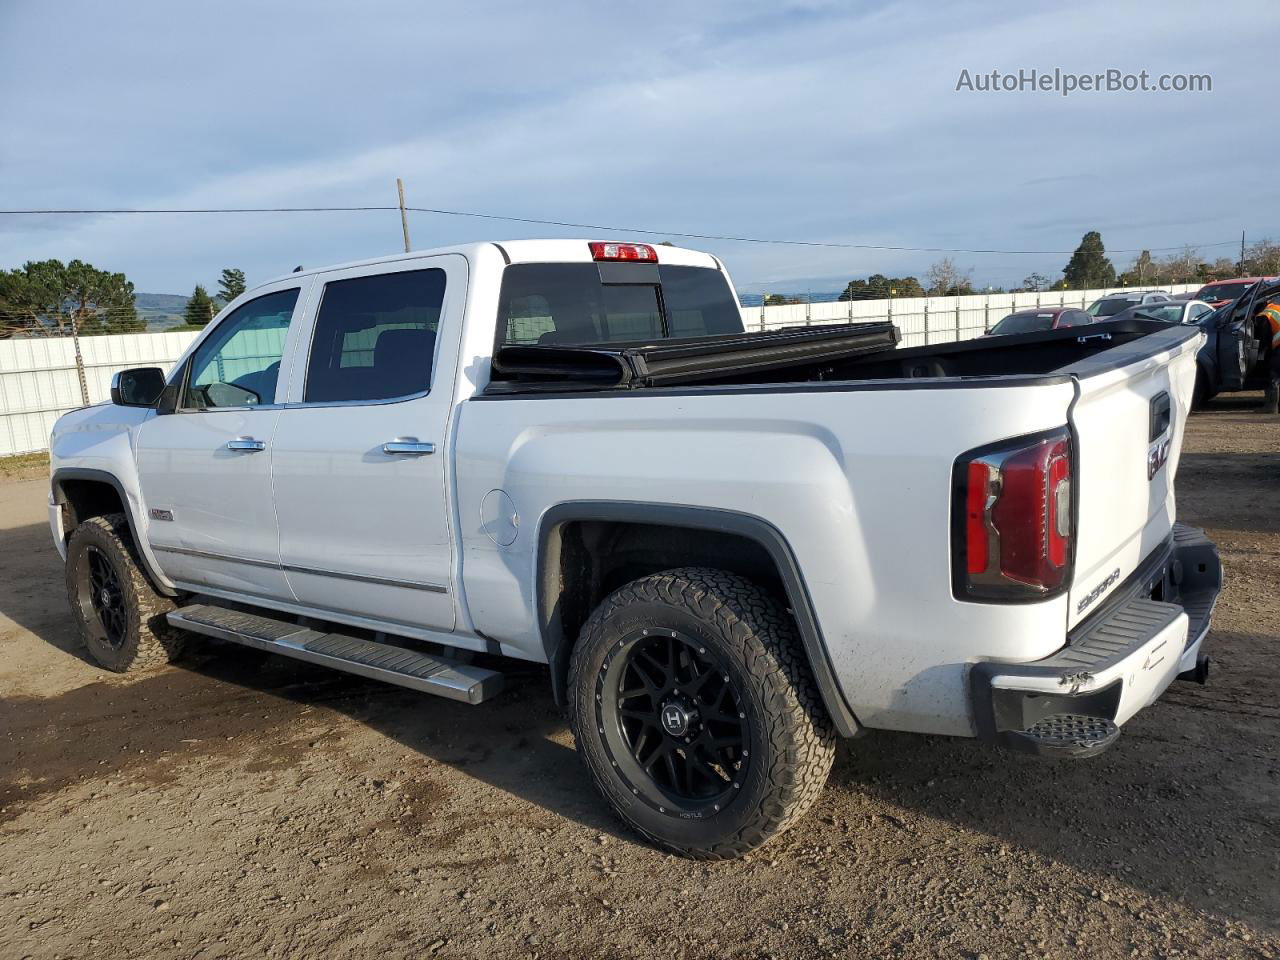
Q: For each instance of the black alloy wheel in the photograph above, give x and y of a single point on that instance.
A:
(101, 587)
(673, 723)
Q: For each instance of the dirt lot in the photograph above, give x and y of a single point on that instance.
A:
(228, 807)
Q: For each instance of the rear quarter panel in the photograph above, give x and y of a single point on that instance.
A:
(858, 481)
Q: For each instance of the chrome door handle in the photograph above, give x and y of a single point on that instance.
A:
(247, 444)
(407, 447)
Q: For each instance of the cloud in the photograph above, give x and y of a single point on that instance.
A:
(816, 122)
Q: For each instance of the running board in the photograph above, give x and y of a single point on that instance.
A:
(377, 661)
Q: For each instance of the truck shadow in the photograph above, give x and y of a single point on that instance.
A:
(1167, 811)
(518, 743)
(1231, 490)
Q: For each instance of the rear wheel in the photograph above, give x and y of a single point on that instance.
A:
(121, 618)
(696, 714)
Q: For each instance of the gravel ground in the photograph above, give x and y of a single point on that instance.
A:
(233, 807)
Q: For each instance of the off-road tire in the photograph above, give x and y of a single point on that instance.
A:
(146, 639)
(751, 634)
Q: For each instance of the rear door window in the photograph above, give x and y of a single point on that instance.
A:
(375, 337)
(569, 303)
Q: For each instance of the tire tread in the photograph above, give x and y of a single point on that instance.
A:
(762, 634)
(157, 643)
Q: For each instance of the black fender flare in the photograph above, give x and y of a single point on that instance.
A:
(63, 474)
(557, 646)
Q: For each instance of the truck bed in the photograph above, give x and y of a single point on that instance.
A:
(843, 353)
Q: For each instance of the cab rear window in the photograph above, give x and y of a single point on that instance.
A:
(571, 304)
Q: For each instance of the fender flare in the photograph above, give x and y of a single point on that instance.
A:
(102, 476)
(558, 646)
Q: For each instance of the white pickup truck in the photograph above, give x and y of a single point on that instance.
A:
(729, 547)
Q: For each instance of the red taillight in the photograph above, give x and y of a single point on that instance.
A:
(1017, 518)
(976, 517)
(640, 252)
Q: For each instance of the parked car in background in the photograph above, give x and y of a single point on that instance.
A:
(1034, 321)
(1227, 291)
(1113, 303)
(1175, 311)
(1237, 348)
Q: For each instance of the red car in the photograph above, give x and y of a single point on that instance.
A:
(1046, 318)
(1226, 291)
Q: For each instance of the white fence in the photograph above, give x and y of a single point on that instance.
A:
(926, 320)
(39, 381)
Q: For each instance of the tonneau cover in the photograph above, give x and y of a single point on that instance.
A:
(682, 361)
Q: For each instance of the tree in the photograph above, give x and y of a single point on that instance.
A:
(199, 308)
(1035, 282)
(948, 280)
(1223, 268)
(1181, 267)
(1262, 260)
(44, 298)
(1141, 272)
(231, 285)
(879, 287)
(1089, 267)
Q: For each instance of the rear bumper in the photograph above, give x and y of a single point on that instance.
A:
(1121, 659)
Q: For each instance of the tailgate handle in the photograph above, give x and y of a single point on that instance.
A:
(1161, 416)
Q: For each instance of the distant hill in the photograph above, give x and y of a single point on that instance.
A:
(161, 302)
(160, 310)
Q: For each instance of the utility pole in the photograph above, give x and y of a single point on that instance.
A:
(404, 217)
(1242, 253)
(75, 345)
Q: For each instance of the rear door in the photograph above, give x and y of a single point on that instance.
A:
(359, 461)
(1131, 406)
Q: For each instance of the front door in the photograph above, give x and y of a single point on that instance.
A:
(359, 458)
(1237, 345)
(205, 470)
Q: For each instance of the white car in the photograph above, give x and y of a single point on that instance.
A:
(729, 547)
(1114, 303)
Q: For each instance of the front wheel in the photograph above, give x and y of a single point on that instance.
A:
(121, 618)
(696, 713)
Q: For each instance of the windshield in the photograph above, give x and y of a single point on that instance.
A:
(1025, 323)
(1168, 312)
(569, 303)
(1111, 306)
(1222, 291)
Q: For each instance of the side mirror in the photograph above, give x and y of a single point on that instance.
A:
(137, 387)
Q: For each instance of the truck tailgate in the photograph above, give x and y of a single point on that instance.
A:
(1128, 416)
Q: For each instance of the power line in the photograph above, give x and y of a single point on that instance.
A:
(588, 226)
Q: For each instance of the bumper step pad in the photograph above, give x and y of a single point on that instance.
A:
(1067, 735)
(441, 676)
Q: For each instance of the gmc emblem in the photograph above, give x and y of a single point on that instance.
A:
(1157, 456)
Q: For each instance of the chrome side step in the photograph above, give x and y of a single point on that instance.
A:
(377, 661)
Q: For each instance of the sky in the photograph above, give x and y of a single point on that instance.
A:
(835, 124)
